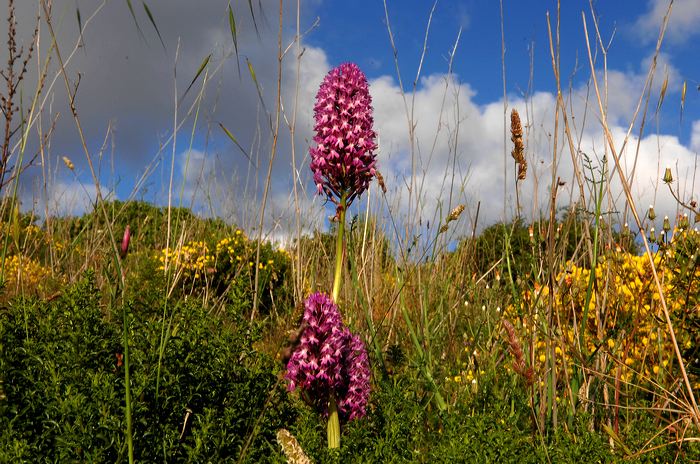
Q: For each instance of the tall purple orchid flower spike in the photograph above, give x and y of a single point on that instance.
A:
(343, 161)
(330, 364)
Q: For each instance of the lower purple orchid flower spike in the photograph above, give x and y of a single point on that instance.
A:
(330, 360)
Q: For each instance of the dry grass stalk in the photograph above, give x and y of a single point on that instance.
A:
(516, 135)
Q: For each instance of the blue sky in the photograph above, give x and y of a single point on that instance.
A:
(128, 91)
(356, 31)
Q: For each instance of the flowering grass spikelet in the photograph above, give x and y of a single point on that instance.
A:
(518, 152)
(343, 161)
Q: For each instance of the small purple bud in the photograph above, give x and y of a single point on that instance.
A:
(125, 242)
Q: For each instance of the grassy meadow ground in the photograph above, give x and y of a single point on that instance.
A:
(571, 338)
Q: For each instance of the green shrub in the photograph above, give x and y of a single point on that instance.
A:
(63, 380)
(483, 428)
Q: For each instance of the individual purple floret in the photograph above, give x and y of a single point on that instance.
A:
(330, 360)
(343, 162)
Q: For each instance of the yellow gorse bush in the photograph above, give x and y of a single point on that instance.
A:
(625, 323)
(24, 274)
(195, 259)
(192, 259)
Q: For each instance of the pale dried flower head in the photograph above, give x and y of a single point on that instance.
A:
(69, 164)
(453, 216)
(291, 448)
(455, 213)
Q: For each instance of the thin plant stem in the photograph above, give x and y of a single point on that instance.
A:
(505, 112)
(368, 314)
(338, 276)
(127, 390)
(100, 202)
(594, 265)
(424, 368)
(273, 152)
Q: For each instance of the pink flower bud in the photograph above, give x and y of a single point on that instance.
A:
(125, 242)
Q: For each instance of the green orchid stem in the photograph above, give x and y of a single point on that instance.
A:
(333, 419)
(342, 207)
(333, 425)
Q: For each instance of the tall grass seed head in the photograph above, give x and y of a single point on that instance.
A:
(291, 448)
(69, 164)
(343, 161)
(518, 152)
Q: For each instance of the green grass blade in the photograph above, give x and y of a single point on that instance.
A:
(234, 36)
(133, 15)
(80, 25)
(235, 141)
(664, 87)
(153, 22)
(203, 65)
(252, 73)
(260, 94)
(252, 15)
(683, 91)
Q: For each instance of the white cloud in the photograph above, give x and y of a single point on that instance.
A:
(695, 137)
(682, 26)
(649, 157)
(458, 146)
(71, 198)
(451, 130)
(624, 89)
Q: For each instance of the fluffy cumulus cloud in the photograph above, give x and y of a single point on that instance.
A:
(71, 198)
(682, 25)
(456, 153)
(624, 88)
(695, 137)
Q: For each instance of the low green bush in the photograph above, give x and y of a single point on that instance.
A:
(62, 368)
(483, 427)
